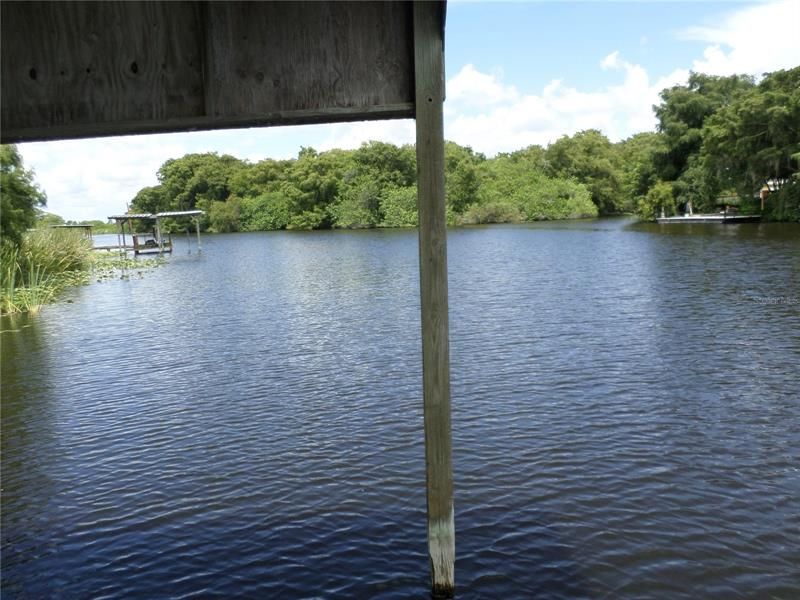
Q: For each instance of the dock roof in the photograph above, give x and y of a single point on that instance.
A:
(159, 215)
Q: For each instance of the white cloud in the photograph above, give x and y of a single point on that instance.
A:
(516, 121)
(751, 40)
(352, 135)
(611, 61)
(462, 88)
(91, 179)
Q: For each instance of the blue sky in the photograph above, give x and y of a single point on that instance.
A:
(535, 43)
(518, 73)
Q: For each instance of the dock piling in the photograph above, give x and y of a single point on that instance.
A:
(429, 91)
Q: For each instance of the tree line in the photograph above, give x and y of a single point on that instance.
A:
(373, 186)
(716, 137)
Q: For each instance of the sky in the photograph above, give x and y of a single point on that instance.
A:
(517, 73)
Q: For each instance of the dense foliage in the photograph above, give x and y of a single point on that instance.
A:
(20, 196)
(755, 140)
(717, 136)
(726, 137)
(373, 186)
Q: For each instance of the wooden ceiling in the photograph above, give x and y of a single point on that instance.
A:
(87, 69)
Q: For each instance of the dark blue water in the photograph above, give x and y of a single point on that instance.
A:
(247, 422)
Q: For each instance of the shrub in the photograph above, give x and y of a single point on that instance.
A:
(399, 207)
(492, 212)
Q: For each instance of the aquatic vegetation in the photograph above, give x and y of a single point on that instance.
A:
(40, 267)
(113, 266)
(47, 262)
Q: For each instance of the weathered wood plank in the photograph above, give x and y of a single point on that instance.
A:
(298, 117)
(429, 67)
(306, 55)
(75, 63)
(83, 69)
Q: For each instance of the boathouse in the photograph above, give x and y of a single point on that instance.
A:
(155, 240)
(81, 69)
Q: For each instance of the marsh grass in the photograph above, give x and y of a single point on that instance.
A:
(36, 272)
(51, 261)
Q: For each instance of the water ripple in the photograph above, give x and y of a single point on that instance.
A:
(626, 422)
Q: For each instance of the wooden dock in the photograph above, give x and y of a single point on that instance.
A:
(156, 241)
(719, 218)
(113, 247)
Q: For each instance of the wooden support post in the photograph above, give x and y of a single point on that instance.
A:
(197, 227)
(160, 239)
(429, 83)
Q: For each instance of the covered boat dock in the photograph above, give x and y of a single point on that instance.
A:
(156, 240)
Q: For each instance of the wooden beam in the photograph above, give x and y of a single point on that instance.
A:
(404, 110)
(285, 56)
(83, 69)
(429, 87)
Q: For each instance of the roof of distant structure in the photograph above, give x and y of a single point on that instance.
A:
(171, 213)
(181, 213)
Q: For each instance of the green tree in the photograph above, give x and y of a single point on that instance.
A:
(45, 220)
(265, 212)
(223, 217)
(589, 158)
(150, 200)
(461, 176)
(756, 139)
(358, 204)
(316, 218)
(660, 199)
(195, 177)
(312, 185)
(681, 116)
(549, 198)
(265, 176)
(514, 188)
(399, 207)
(638, 173)
(386, 163)
(20, 196)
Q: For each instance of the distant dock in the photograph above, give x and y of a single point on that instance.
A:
(719, 218)
(114, 247)
(154, 242)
